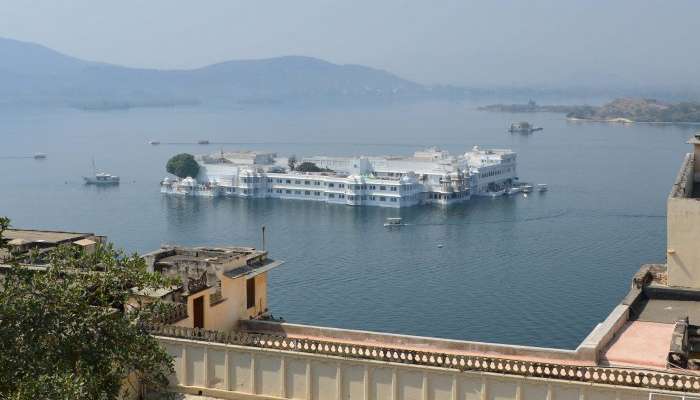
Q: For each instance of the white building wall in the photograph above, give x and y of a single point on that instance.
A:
(229, 371)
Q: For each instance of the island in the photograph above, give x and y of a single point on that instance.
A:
(624, 110)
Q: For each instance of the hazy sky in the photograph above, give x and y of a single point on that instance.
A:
(462, 42)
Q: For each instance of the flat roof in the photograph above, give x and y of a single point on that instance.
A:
(52, 237)
(640, 343)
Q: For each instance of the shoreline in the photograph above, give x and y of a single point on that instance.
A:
(629, 121)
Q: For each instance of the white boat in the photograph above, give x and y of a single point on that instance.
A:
(100, 178)
(542, 187)
(154, 142)
(495, 194)
(513, 190)
(391, 222)
(526, 188)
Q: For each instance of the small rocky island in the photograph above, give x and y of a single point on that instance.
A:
(625, 110)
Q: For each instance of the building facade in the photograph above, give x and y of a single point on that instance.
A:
(429, 176)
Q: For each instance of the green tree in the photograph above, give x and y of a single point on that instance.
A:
(68, 331)
(182, 165)
(311, 167)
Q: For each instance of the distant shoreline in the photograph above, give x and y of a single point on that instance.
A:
(624, 111)
(628, 121)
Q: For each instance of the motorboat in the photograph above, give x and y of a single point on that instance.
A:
(392, 222)
(154, 142)
(542, 187)
(496, 193)
(513, 190)
(202, 142)
(39, 156)
(526, 188)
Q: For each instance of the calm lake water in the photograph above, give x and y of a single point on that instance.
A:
(542, 270)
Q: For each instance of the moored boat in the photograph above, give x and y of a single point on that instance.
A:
(513, 190)
(542, 187)
(101, 178)
(39, 156)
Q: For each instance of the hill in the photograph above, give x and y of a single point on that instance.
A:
(34, 74)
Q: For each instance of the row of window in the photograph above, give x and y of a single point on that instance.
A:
(494, 172)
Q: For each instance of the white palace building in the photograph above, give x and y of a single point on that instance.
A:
(429, 176)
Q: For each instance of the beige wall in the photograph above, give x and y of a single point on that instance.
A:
(683, 225)
(237, 372)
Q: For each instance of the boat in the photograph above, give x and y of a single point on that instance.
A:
(513, 190)
(391, 222)
(522, 127)
(39, 156)
(526, 188)
(542, 187)
(154, 142)
(496, 193)
(100, 178)
(202, 142)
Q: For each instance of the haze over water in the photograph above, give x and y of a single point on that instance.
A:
(542, 270)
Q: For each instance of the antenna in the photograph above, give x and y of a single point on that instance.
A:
(94, 170)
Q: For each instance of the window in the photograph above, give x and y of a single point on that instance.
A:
(307, 192)
(297, 192)
(269, 180)
(279, 181)
(288, 181)
(382, 188)
(331, 196)
(393, 188)
(331, 185)
(382, 198)
(250, 292)
(317, 193)
(317, 183)
(288, 191)
(341, 196)
(297, 182)
(393, 199)
(342, 185)
(307, 182)
(279, 190)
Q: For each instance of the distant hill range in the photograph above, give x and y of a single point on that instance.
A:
(35, 74)
(618, 110)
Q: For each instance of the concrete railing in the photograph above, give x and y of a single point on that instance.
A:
(275, 349)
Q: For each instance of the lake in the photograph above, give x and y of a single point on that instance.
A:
(541, 270)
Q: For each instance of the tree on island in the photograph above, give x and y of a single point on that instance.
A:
(66, 332)
(311, 167)
(292, 162)
(182, 166)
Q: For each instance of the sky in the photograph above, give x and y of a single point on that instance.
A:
(463, 42)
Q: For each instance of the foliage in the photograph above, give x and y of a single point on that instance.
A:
(182, 166)
(66, 332)
(311, 167)
(292, 162)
